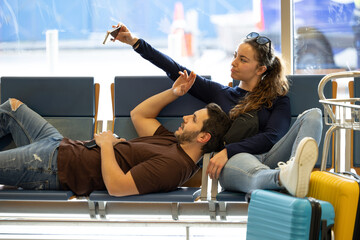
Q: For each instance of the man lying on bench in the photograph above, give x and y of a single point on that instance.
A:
(157, 161)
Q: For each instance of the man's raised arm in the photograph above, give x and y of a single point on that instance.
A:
(144, 115)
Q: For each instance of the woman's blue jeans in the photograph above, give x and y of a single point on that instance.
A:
(245, 172)
(33, 164)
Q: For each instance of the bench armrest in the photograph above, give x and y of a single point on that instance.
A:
(205, 181)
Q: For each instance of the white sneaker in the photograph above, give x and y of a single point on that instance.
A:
(295, 173)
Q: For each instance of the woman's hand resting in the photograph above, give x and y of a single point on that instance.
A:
(216, 164)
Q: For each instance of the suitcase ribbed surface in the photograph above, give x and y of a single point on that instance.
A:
(343, 194)
(278, 216)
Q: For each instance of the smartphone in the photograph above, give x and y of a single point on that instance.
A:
(92, 143)
(113, 33)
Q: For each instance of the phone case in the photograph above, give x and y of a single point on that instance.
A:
(90, 144)
(113, 33)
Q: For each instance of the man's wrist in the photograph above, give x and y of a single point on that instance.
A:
(105, 144)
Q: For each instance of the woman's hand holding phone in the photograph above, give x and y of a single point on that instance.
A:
(125, 35)
(113, 33)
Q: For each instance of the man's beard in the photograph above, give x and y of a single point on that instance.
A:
(186, 136)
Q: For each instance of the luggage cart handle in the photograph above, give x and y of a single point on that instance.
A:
(329, 77)
(336, 75)
(335, 112)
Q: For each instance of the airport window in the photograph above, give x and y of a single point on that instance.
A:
(65, 37)
(326, 36)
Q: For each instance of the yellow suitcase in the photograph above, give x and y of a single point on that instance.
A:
(342, 191)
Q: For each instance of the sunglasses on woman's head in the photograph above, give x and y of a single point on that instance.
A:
(261, 40)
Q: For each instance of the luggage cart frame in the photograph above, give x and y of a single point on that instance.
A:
(339, 114)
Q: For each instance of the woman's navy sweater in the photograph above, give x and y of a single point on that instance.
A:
(274, 122)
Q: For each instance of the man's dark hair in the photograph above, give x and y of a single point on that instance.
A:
(217, 125)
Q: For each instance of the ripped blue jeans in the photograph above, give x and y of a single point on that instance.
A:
(33, 164)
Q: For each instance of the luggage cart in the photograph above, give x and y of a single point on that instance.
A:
(339, 114)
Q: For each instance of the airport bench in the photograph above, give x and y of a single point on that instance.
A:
(127, 93)
(183, 202)
(70, 104)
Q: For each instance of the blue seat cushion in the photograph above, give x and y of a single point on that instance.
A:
(52, 96)
(303, 93)
(356, 143)
(144, 87)
(76, 128)
(124, 127)
(35, 195)
(179, 195)
(228, 196)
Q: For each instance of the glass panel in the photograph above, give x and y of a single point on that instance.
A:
(64, 37)
(324, 36)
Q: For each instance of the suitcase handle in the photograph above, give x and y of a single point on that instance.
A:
(327, 232)
(357, 177)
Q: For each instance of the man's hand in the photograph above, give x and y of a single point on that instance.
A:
(183, 84)
(107, 138)
(116, 181)
(216, 164)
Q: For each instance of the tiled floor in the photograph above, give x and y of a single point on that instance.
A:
(128, 233)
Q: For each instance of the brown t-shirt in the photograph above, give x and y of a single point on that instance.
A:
(157, 164)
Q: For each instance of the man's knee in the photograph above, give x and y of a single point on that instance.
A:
(15, 103)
